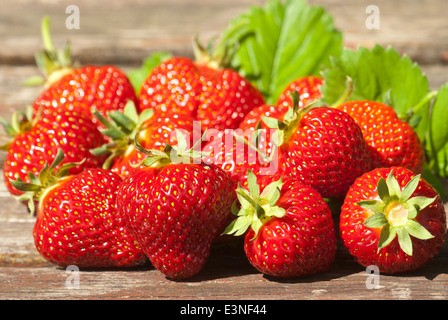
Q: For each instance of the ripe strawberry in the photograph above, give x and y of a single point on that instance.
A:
(216, 96)
(393, 219)
(36, 142)
(154, 131)
(323, 148)
(235, 153)
(176, 209)
(77, 220)
(105, 88)
(291, 231)
(308, 88)
(391, 141)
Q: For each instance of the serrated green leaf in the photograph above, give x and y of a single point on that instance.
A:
(383, 190)
(438, 133)
(281, 42)
(393, 186)
(382, 75)
(420, 202)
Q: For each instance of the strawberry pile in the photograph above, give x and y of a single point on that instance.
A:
(118, 177)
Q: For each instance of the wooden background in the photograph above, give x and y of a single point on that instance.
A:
(123, 33)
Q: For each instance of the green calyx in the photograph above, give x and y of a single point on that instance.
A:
(21, 122)
(291, 120)
(53, 63)
(123, 128)
(180, 153)
(396, 211)
(47, 178)
(255, 208)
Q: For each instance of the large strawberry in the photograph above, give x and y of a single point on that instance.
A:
(105, 88)
(35, 142)
(323, 147)
(216, 96)
(176, 209)
(153, 130)
(391, 141)
(290, 229)
(393, 219)
(77, 220)
(308, 88)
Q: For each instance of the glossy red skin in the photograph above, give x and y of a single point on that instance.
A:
(176, 213)
(362, 242)
(218, 98)
(326, 151)
(301, 243)
(308, 88)
(78, 224)
(72, 132)
(105, 88)
(391, 141)
(236, 158)
(157, 132)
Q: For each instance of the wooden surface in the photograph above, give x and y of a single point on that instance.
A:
(123, 33)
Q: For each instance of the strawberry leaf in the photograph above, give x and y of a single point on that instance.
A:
(382, 75)
(280, 42)
(438, 133)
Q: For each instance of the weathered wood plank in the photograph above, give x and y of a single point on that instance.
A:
(125, 32)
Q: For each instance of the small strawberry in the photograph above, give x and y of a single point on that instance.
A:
(77, 220)
(393, 219)
(35, 142)
(323, 147)
(391, 141)
(153, 131)
(216, 96)
(176, 208)
(308, 88)
(105, 88)
(291, 231)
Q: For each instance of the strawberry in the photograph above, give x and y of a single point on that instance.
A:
(77, 220)
(153, 130)
(391, 141)
(323, 147)
(212, 94)
(393, 219)
(36, 142)
(308, 88)
(105, 88)
(289, 231)
(235, 153)
(176, 209)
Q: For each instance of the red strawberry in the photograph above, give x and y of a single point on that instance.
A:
(308, 88)
(393, 219)
(236, 152)
(218, 97)
(105, 88)
(176, 210)
(38, 143)
(391, 141)
(323, 148)
(77, 220)
(152, 130)
(291, 231)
